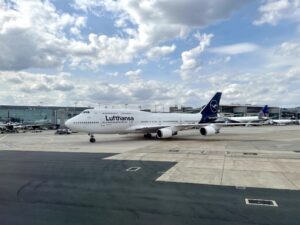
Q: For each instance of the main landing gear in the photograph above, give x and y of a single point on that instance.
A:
(92, 138)
(148, 136)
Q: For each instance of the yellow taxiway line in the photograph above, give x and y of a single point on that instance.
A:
(1, 138)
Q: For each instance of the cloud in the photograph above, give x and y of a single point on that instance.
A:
(63, 85)
(273, 11)
(159, 12)
(259, 88)
(25, 40)
(143, 26)
(133, 74)
(64, 90)
(235, 49)
(150, 23)
(219, 60)
(157, 52)
(101, 50)
(283, 56)
(34, 83)
(189, 58)
(289, 49)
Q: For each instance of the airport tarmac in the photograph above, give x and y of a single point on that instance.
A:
(264, 157)
(189, 179)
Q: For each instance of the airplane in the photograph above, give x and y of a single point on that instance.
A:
(37, 124)
(10, 127)
(262, 116)
(161, 125)
(2, 126)
(283, 121)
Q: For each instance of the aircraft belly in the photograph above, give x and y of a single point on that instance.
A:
(110, 128)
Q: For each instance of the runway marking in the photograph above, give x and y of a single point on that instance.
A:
(133, 169)
(1, 138)
(262, 202)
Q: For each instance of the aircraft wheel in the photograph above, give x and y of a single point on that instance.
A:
(92, 140)
(147, 135)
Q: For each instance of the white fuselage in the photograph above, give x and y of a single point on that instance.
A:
(284, 121)
(122, 121)
(245, 119)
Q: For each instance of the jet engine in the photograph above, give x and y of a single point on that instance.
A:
(209, 130)
(165, 133)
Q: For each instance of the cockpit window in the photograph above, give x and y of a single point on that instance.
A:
(86, 112)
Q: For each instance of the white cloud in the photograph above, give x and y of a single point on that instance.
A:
(283, 56)
(32, 83)
(150, 23)
(219, 60)
(144, 28)
(32, 88)
(259, 88)
(26, 42)
(189, 58)
(273, 11)
(62, 89)
(289, 49)
(101, 50)
(113, 74)
(25, 39)
(133, 74)
(156, 52)
(235, 49)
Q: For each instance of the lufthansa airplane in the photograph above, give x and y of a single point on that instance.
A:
(262, 116)
(162, 125)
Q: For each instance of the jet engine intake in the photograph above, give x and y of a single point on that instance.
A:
(165, 133)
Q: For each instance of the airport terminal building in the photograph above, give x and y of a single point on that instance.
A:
(247, 110)
(57, 115)
(54, 115)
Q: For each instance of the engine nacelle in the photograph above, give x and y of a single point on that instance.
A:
(165, 133)
(209, 130)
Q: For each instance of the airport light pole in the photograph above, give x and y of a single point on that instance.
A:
(40, 109)
(75, 105)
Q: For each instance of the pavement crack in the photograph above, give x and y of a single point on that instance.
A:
(20, 190)
(223, 169)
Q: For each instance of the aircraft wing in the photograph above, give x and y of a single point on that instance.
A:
(180, 127)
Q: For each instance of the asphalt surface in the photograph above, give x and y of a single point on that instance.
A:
(82, 188)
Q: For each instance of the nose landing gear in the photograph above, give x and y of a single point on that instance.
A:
(92, 138)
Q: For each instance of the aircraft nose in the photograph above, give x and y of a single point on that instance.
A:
(68, 123)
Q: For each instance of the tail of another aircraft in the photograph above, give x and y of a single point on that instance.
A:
(264, 112)
(210, 111)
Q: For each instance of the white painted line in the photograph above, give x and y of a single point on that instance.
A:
(133, 169)
(261, 202)
(240, 187)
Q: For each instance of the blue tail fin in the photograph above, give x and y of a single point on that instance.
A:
(210, 111)
(264, 112)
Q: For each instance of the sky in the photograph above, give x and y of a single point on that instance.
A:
(149, 52)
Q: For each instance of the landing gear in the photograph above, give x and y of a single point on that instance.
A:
(92, 138)
(147, 135)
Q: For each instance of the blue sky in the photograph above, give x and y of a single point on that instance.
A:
(149, 52)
